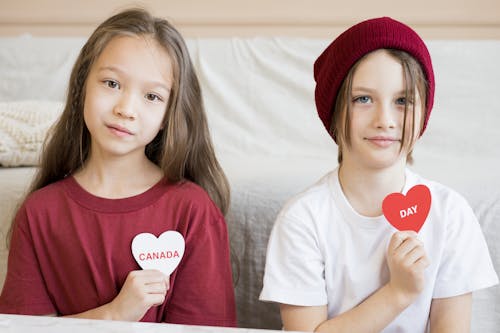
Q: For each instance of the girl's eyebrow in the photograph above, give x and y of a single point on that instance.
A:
(110, 68)
(122, 72)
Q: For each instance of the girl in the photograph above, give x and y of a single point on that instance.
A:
(130, 154)
(334, 263)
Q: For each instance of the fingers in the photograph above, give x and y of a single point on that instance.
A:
(399, 237)
(142, 290)
(407, 249)
(153, 278)
(409, 245)
(156, 285)
(407, 260)
(417, 258)
(155, 288)
(152, 275)
(148, 282)
(423, 262)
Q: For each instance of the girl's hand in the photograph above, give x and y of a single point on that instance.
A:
(407, 261)
(142, 290)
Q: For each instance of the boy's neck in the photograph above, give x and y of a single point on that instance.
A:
(365, 189)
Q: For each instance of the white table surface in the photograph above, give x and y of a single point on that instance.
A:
(39, 324)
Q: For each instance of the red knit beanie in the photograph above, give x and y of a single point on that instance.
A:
(332, 66)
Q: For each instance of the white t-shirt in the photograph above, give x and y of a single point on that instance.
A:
(321, 251)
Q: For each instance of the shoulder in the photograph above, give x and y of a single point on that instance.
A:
(450, 213)
(314, 196)
(40, 204)
(190, 190)
(193, 198)
(190, 193)
(47, 195)
(442, 195)
(315, 205)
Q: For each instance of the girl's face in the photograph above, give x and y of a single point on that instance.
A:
(126, 96)
(377, 112)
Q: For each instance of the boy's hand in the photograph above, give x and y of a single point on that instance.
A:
(142, 290)
(407, 261)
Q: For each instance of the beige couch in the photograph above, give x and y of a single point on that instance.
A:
(259, 98)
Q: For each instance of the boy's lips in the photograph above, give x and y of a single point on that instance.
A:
(382, 141)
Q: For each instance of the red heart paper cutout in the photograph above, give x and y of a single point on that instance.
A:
(408, 212)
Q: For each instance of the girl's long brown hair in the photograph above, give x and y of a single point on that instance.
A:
(182, 149)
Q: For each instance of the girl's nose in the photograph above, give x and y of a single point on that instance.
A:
(126, 107)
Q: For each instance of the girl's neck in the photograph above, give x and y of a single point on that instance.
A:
(115, 178)
(365, 189)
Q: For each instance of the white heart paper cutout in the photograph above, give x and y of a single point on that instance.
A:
(163, 253)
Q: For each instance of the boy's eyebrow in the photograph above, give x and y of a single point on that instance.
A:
(120, 71)
(362, 89)
(370, 90)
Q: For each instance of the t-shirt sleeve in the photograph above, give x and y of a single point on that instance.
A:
(202, 293)
(466, 264)
(294, 272)
(24, 290)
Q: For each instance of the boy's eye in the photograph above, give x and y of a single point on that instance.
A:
(153, 97)
(112, 84)
(401, 101)
(362, 99)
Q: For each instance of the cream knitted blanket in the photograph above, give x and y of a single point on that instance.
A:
(23, 127)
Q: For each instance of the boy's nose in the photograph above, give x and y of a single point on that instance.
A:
(384, 116)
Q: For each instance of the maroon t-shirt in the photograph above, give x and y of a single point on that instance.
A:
(71, 252)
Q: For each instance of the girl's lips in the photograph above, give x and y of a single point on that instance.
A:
(118, 130)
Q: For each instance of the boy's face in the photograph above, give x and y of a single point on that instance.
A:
(377, 112)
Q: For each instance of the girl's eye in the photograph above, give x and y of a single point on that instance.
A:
(153, 97)
(112, 84)
(362, 99)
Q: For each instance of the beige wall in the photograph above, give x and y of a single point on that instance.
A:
(435, 19)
